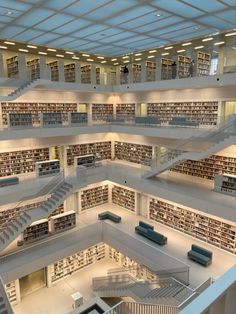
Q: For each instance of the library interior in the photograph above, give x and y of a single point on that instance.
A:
(118, 157)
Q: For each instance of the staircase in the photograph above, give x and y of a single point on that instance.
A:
(16, 227)
(218, 139)
(166, 291)
(5, 306)
(20, 90)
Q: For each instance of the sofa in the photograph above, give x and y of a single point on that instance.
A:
(148, 232)
(182, 121)
(9, 181)
(200, 255)
(109, 215)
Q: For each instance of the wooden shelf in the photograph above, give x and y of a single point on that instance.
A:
(137, 153)
(54, 70)
(34, 66)
(123, 197)
(63, 221)
(47, 168)
(183, 66)
(101, 150)
(69, 72)
(207, 168)
(166, 69)
(86, 74)
(203, 63)
(52, 118)
(204, 113)
(37, 230)
(94, 197)
(150, 71)
(17, 162)
(101, 111)
(11, 290)
(18, 120)
(75, 262)
(200, 226)
(125, 110)
(226, 184)
(85, 160)
(12, 66)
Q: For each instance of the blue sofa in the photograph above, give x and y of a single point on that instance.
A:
(182, 121)
(200, 255)
(109, 215)
(9, 181)
(148, 232)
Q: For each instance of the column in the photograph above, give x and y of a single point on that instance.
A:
(77, 72)
(118, 75)
(2, 74)
(103, 76)
(89, 110)
(158, 69)
(143, 208)
(61, 71)
(93, 74)
(130, 74)
(143, 71)
(43, 70)
(23, 73)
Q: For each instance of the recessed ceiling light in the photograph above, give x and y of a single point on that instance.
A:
(138, 54)
(76, 58)
(126, 61)
(104, 61)
(60, 56)
(31, 46)
(187, 44)
(219, 43)
(207, 39)
(51, 49)
(150, 56)
(158, 14)
(168, 48)
(3, 47)
(69, 52)
(138, 59)
(9, 43)
(116, 63)
(42, 53)
(125, 57)
(113, 59)
(196, 27)
(151, 51)
(234, 48)
(230, 34)
(165, 54)
(181, 50)
(198, 47)
(85, 55)
(23, 50)
(100, 57)
(91, 60)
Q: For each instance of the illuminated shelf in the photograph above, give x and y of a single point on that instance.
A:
(94, 197)
(123, 197)
(136, 153)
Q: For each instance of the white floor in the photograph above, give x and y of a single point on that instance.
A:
(57, 299)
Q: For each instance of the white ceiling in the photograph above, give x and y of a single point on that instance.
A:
(113, 27)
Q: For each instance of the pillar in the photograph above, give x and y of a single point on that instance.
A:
(61, 73)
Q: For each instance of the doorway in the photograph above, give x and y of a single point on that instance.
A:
(32, 282)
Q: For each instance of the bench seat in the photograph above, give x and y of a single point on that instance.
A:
(200, 255)
(9, 181)
(109, 215)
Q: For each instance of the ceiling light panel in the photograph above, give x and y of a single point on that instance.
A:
(29, 34)
(230, 34)
(160, 24)
(208, 6)
(213, 21)
(54, 22)
(73, 26)
(84, 6)
(11, 31)
(228, 15)
(180, 8)
(58, 5)
(34, 16)
(46, 38)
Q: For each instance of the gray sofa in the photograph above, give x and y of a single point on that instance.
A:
(200, 255)
(109, 215)
(148, 232)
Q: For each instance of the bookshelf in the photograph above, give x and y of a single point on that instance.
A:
(12, 66)
(139, 271)
(12, 290)
(75, 262)
(51, 119)
(69, 72)
(37, 230)
(17, 162)
(78, 118)
(183, 66)
(136, 72)
(63, 221)
(34, 67)
(137, 153)
(57, 211)
(205, 113)
(54, 70)
(225, 184)
(123, 197)
(85, 160)
(203, 63)
(207, 168)
(94, 197)
(36, 109)
(101, 111)
(203, 227)
(20, 120)
(166, 69)
(101, 150)
(47, 168)
(150, 71)
(86, 74)
(98, 79)
(125, 110)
